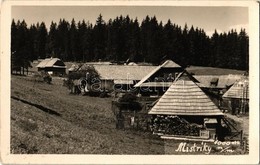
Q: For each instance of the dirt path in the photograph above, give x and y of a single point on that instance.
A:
(243, 122)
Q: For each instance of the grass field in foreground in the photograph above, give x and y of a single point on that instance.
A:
(47, 119)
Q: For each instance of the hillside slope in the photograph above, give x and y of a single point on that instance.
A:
(46, 119)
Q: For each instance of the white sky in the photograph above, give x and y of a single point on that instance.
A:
(207, 18)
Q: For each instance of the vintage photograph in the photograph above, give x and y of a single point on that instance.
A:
(129, 80)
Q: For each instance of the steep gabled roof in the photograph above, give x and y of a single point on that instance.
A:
(43, 63)
(239, 90)
(170, 64)
(166, 64)
(184, 97)
(147, 76)
(184, 75)
(51, 62)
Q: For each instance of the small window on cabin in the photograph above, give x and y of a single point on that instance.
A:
(214, 82)
(241, 84)
(170, 78)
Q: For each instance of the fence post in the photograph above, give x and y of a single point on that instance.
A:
(241, 136)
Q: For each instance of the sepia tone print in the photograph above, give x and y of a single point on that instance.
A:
(129, 84)
(119, 82)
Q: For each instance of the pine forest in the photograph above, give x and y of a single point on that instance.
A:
(123, 38)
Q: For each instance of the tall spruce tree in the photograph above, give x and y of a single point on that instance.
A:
(151, 40)
(134, 42)
(184, 47)
(145, 38)
(109, 50)
(170, 37)
(34, 51)
(243, 46)
(82, 49)
(89, 46)
(63, 40)
(22, 55)
(42, 38)
(100, 37)
(52, 44)
(74, 42)
(215, 40)
(15, 59)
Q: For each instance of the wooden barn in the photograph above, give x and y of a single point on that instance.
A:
(123, 77)
(158, 80)
(238, 97)
(118, 77)
(216, 85)
(53, 66)
(186, 111)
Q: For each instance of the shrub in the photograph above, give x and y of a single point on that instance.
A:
(92, 73)
(128, 101)
(42, 77)
(128, 97)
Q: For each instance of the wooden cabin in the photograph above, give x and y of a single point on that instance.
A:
(187, 109)
(158, 80)
(237, 97)
(54, 66)
(118, 78)
(216, 85)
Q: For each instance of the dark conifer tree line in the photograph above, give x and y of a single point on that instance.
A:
(124, 38)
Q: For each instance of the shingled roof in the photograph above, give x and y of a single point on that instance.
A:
(121, 74)
(184, 97)
(223, 81)
(166, 64)
(170, 64)
(239, 90)
(51, 62)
